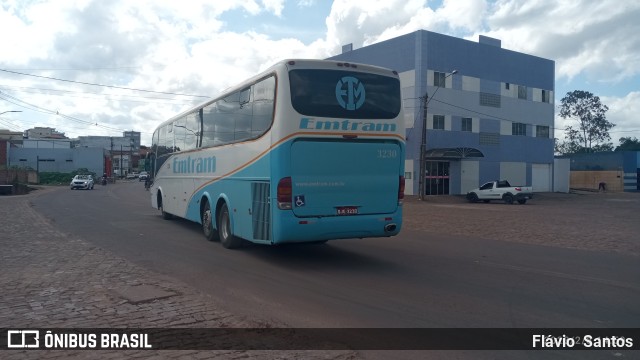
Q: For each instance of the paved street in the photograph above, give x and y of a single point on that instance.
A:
(54, 279)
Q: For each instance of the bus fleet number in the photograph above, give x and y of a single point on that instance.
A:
(387, 154)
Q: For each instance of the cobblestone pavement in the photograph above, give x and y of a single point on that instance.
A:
(584, 220)
(52, 280)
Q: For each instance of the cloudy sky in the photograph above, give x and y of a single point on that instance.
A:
(158, 57)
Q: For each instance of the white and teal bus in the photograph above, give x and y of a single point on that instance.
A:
(306, 151)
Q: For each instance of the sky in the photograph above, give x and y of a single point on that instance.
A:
(156, 58)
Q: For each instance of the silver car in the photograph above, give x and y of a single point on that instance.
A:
(82, 182)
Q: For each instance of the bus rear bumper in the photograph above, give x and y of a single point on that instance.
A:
(291, 229)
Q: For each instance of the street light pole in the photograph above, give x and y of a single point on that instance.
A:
(423, 141)
(131, 144)
(4, 112)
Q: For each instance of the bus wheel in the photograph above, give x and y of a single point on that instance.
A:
(165, 215)
(227, 238)
(207, 224)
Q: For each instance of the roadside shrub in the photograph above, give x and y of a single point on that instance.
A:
(58, 178)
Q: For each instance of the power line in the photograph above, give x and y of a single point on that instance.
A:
(102, 85)
(44, 91)
(26, 105)
(9, 124)
(78, 69)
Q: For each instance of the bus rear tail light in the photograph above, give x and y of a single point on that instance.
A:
(284, 194)
(401, 190)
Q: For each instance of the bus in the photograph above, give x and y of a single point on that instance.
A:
(306, 151)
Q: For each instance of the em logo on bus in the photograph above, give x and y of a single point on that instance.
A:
(350, 93)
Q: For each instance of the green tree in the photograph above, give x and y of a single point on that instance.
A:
(592, 133)
(571, 144)
(628, 144)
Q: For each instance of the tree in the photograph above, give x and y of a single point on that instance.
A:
(572, 144)
(592, 133)
(628, 144)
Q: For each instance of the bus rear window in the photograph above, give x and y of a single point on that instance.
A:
(344, 94)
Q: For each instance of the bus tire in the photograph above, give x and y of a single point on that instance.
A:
(165, 215)
(225, 233)
(207, 223)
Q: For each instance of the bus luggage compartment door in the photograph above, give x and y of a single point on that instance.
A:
(345, 178)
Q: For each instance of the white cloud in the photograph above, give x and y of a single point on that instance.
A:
(367, 22)
(274, 6)
(624, 112)
(186, 47)
(594, 38)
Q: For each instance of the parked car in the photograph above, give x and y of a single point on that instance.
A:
(132, 175)
(500, 190)
(82, 182)
(143, 176)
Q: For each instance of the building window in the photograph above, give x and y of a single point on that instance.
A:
(542, 131)
(518, 129)
(439, 79)
(522, 92)
(489, 138)
(506, 86)
(545, 96)
(467, 124)
(487, 99)
(438, 122)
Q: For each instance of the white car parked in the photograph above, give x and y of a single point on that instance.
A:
(500, 190)
(82, 182)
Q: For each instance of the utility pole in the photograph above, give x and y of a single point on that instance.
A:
(120, 160)
(131, 144)
(111, 154)
(423, 141)
(423, 149)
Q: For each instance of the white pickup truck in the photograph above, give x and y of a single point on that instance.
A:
(500, 190)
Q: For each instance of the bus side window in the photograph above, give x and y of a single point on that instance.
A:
(225, 119)
(192, 130)
(208, 127)
(243, 116)
(179, 133)
(263, 97)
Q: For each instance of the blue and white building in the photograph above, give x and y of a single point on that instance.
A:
(491, 119)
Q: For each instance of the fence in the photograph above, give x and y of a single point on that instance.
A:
(18, 176)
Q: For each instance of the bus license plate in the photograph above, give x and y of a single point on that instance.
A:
(347, 210)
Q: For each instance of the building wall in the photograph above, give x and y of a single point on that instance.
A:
(631, 169)
(58, 160)
(485, 71)
(46, 144)
(620, 170)
(591, 179)
(4, 147)
(561, 175)
(115, 143)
